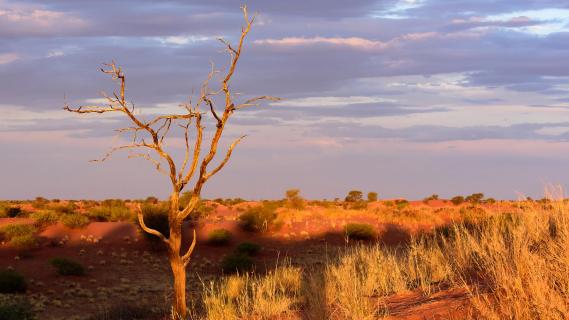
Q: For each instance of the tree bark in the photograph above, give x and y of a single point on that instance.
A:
(178, 271)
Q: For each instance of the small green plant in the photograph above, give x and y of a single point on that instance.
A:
(236, 262)
(259, 218)
(74, 220)
(248, 248)
(67, 267)
(12, 282)
(219, 237)
(360, 231)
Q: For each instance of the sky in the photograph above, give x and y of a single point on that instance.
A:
(406, 98)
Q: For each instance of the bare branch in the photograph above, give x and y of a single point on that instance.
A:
(188, 254)
(255, 102)
(225, 160)
(147, 229)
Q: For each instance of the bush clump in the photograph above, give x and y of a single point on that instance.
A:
(236, 262)
(67, 267)
(74, 220)
(259, 218)
(12, 282)
(156, 217)
(294, 200)
(360, 231)
(457, 200)
(44, 217)
(16, 309)
(219, 237)
(15, 230)
(13, 212)
(248, 248)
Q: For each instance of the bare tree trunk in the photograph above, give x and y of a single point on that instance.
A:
(178, 272)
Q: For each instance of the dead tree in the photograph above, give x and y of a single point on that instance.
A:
(194, 170)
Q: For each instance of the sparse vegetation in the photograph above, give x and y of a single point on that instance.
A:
(360, 231)
(74, 220)
(457, 200)
(236, 262)
(372, 196)
(12, 282)
(248, 248)
(258, 218)
(219, 237)
(294, 200)
(67, 267)
(16, 308)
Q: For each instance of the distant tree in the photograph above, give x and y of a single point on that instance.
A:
(474, 198)
(457, 200)
(151, 199)
(354, 196)
(148, 140)
(294, 200)
(372, 196)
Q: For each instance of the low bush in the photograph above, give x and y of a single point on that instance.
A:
(248, 248)
(259, 218)
(457, 200)
(74, 220)
(12, 282)
(360, 231)
(67, 267)
(236, 262)
(14, 230)
(156, 217)
(68, 208)
(13, 212)
(24, 242)
(44, 217)
(16, 309)
(219, 237)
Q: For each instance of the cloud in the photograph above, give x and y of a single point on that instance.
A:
(6, 58)
(330, 101)
(354, 42)
(20, 20)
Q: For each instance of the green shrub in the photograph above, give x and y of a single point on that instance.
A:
(45, 217)
(258, 218)
(74, 220)
(16, 308)
(12, 282)
(294, 200)
(360, 231)
(474, 198)
(248, 248)
(68, 208)
(236, 262)
(24, 242)
(372, 196)
(13, 212)
(67, 267)
(14, 230)
(156, 217)
(457, 200)
(219, 237)
(401, 203)
(354, 196)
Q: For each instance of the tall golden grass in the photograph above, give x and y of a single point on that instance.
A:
(513, 264)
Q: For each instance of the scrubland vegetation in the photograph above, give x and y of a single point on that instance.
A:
(485, 259)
